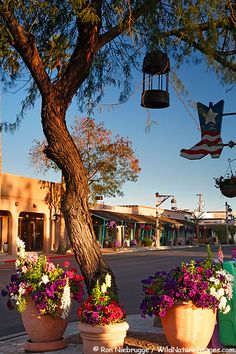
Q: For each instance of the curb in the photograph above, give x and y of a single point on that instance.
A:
(104, 252)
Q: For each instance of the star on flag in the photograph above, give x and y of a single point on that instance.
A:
(210, 116)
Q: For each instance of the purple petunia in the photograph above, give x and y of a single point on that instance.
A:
(193, 281)
(39, 279)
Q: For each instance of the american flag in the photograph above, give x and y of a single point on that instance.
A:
(220, 255)
(210, 119)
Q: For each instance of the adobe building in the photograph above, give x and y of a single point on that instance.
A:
(29, 209)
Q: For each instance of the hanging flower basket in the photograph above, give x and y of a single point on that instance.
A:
(227, 186)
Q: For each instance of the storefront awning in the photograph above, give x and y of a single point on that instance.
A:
(125, 218)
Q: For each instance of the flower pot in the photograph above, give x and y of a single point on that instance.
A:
(100, 339)
(5, 247)
(45, 333)
(188, 327)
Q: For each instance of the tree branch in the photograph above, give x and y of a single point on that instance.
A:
(179, 32)
(217, 57)
(81, 59)
(124, 25)
(227, 52)
(202, 47)
(25, 45)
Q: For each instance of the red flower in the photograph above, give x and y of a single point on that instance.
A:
(66, 264)
(200, 269)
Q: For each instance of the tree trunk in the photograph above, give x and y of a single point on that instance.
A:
(63, 151)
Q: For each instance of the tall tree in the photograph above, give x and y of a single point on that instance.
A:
(76, 47)
(109, 160)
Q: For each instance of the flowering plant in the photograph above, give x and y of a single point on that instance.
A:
(204, 283)
(117, 244)
(101, 307)
(111, 224)
(133, 243)
(50, 287)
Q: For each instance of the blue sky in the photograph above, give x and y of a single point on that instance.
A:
(163, 170)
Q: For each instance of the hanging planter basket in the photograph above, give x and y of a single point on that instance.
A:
(227, 186)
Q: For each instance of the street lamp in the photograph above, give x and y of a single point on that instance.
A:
(228, 210)
(160, 198)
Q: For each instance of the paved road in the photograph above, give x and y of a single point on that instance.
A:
(129, 269)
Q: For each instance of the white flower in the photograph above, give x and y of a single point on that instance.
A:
(65, 301)
(44, 279)
(229, 291)
(227, 309)
(24, 269)
(103, 288)
(22, 288)
(14, 297)
(213, 291)
(212, 279)
(220, 292)
(21, 245)
(229, 277)
(17, 263)
(108, 280)
(222, 304)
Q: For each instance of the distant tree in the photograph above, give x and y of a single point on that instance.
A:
(221, 232)
(196, 218)
(232, 231)
(75, 48)
(109, 161)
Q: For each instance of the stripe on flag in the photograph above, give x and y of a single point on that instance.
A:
(210, 144)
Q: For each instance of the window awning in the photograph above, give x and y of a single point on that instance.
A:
(125, 218)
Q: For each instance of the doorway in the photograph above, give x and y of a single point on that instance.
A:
(30, 230)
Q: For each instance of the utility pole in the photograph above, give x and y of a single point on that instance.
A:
(200, 203)
(197, 214)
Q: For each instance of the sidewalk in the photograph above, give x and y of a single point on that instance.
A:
(15, 344)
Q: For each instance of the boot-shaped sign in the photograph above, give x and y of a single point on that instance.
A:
(210, 119)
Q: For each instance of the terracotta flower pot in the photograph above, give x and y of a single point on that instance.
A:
(5, 247)
(45, 333)
(189, 327)
(100, 339)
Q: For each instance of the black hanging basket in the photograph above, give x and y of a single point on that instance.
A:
(227, 186)
(156, 67)
(155, 99)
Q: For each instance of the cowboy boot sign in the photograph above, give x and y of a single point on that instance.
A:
(210, 119)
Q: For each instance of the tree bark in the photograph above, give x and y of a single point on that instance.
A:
(75, 208)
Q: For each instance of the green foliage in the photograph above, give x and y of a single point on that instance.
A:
(97, 293)
(147, 242)
(21, 303)
(209, 259)
(220, 231)
(186, 30)
(232, 231)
